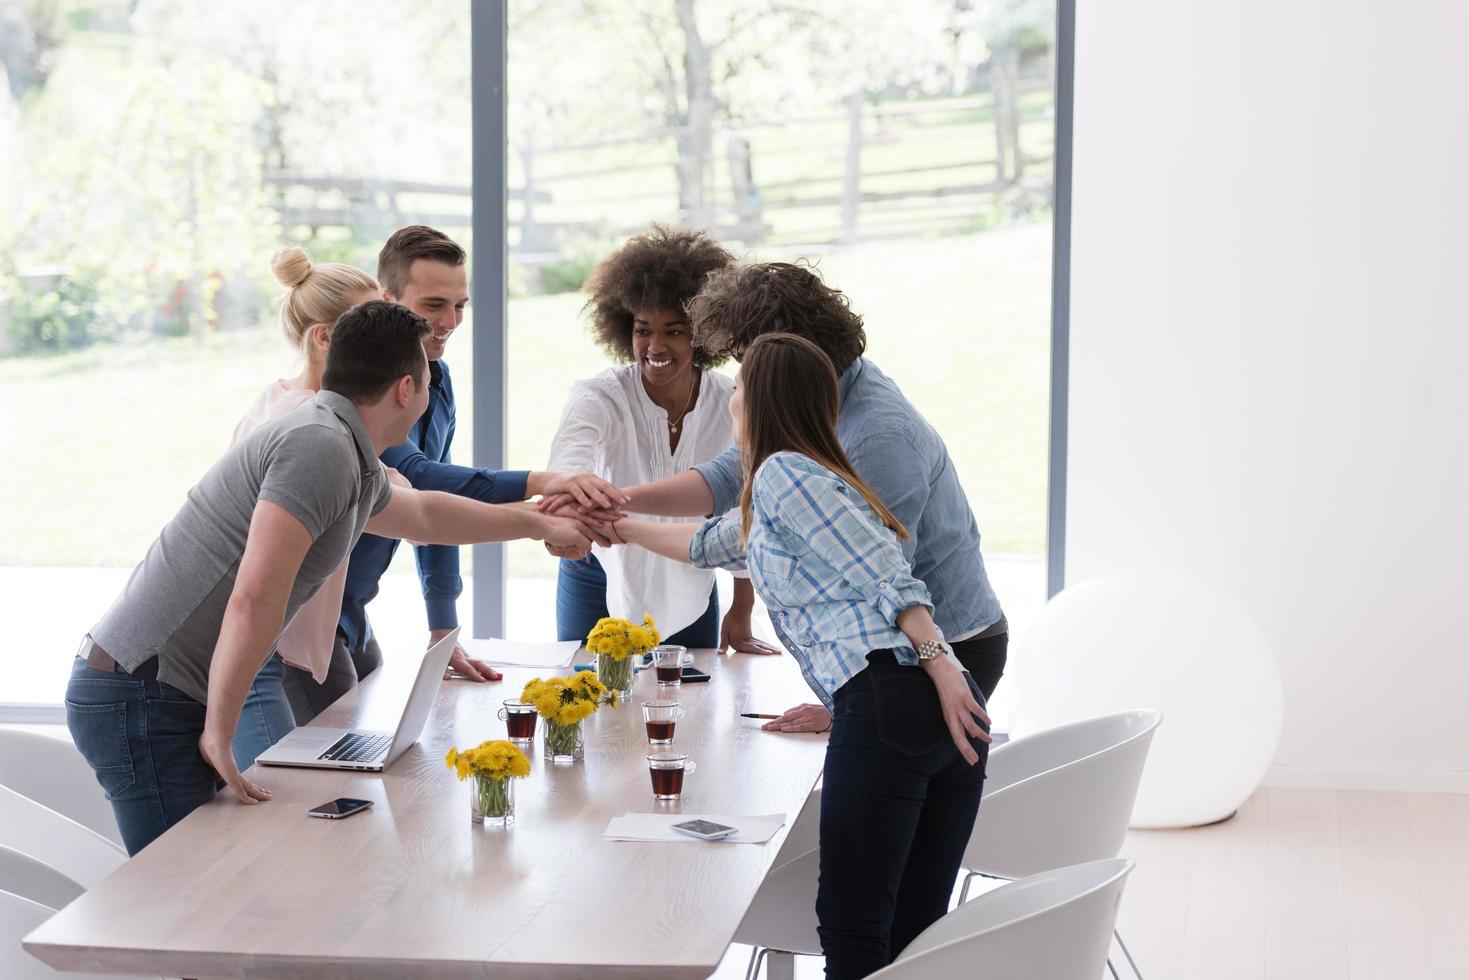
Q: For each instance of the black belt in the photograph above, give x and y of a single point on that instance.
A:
(98, 659)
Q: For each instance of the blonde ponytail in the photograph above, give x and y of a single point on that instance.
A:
(315, 293)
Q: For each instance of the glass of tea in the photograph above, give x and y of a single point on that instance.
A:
(520, 721)
(667, 769)
(668, 663)
(659, 717)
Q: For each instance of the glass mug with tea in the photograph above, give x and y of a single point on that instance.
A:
(667, 770)
(659, 717)
(669, 662)
(520, 721)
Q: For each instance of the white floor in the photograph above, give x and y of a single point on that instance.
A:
(1301, 885)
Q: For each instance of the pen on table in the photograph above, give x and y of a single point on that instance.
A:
(767, 717)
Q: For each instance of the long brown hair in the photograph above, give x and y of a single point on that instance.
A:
(791, 403)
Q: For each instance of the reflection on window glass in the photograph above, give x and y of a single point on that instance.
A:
(153, 155)
(908, 157)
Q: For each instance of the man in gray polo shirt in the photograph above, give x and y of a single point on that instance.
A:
(156, 691)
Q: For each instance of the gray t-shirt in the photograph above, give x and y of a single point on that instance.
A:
(318, 464)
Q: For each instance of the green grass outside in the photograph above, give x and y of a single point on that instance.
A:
(103, 444)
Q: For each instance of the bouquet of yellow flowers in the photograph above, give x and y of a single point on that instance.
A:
(568, 700)
(496, 759)
(620, 639)
(615, 641)
(492, 764)
(565, 702)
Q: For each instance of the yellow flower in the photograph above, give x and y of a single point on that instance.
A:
(619, 639)
(497, 759)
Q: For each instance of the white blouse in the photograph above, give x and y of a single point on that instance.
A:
(612, 428)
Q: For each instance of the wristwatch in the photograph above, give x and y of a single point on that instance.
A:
(932, 650)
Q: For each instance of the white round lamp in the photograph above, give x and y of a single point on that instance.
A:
(1154, 638)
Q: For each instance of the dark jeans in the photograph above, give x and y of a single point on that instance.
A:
(897, 810)
(985, 660)
(265, 717)
(141, 738)
(309, 699)
(581, 600)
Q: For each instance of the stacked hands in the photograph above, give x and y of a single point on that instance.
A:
(596, 505)
(584, 510)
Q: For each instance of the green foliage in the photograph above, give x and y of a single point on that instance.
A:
(58, 317)
(580, 253)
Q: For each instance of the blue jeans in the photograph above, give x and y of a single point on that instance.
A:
(581, 600)
(266, 717)
(897, 810)
(141, 738)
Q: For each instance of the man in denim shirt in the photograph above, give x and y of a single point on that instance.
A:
(424, 270)
(890, 444)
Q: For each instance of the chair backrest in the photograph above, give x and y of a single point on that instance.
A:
(23, 875)
(83, 855)
(53, 773)
(19, 917)
(1057, 925)
(1060, 797)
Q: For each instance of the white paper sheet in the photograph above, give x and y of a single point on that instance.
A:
(509, 654)
(659, 827)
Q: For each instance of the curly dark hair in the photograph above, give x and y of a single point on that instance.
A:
(662, 270)
(740, 303)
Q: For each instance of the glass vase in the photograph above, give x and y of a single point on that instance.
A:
(616, 675)
(564, 744)
(492, 801)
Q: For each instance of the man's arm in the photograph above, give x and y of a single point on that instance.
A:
(276, 545)
(442, 518)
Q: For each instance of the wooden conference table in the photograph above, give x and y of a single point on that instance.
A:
(412, 888)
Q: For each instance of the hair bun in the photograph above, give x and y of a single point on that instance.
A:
(291, 266)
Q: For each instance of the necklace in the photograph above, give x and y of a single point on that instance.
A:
(673, 425)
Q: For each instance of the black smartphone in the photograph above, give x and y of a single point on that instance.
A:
(693, 675)
(339, 808)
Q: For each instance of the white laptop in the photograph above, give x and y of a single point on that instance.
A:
(339, 748)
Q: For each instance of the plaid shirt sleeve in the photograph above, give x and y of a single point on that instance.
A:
(813, 505)
(719, 543)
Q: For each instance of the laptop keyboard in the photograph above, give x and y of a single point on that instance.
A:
(357, 747)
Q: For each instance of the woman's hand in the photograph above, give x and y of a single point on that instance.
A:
(959, 707)
(802, 718)
(735, 632)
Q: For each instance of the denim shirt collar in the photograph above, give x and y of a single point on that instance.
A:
(849, 377)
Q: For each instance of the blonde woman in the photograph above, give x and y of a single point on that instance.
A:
(302, 676)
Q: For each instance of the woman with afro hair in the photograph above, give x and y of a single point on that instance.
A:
(660, 413)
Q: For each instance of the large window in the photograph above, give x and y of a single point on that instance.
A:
(909, 157)
(153, 155)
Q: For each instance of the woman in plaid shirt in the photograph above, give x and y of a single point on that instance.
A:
(904, 768)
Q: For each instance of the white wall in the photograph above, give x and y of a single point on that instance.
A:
(1270, 350)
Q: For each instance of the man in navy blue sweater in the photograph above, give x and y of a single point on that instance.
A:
(424, 270)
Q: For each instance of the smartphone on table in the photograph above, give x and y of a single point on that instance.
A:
(705, 829)
(341, 807)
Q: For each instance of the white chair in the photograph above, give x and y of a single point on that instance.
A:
(1057, 925)
(23, 875)
(19, 917)
(53, 773)
(83, 855)
(1060, 797)
(781, 921)
(805, 832)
